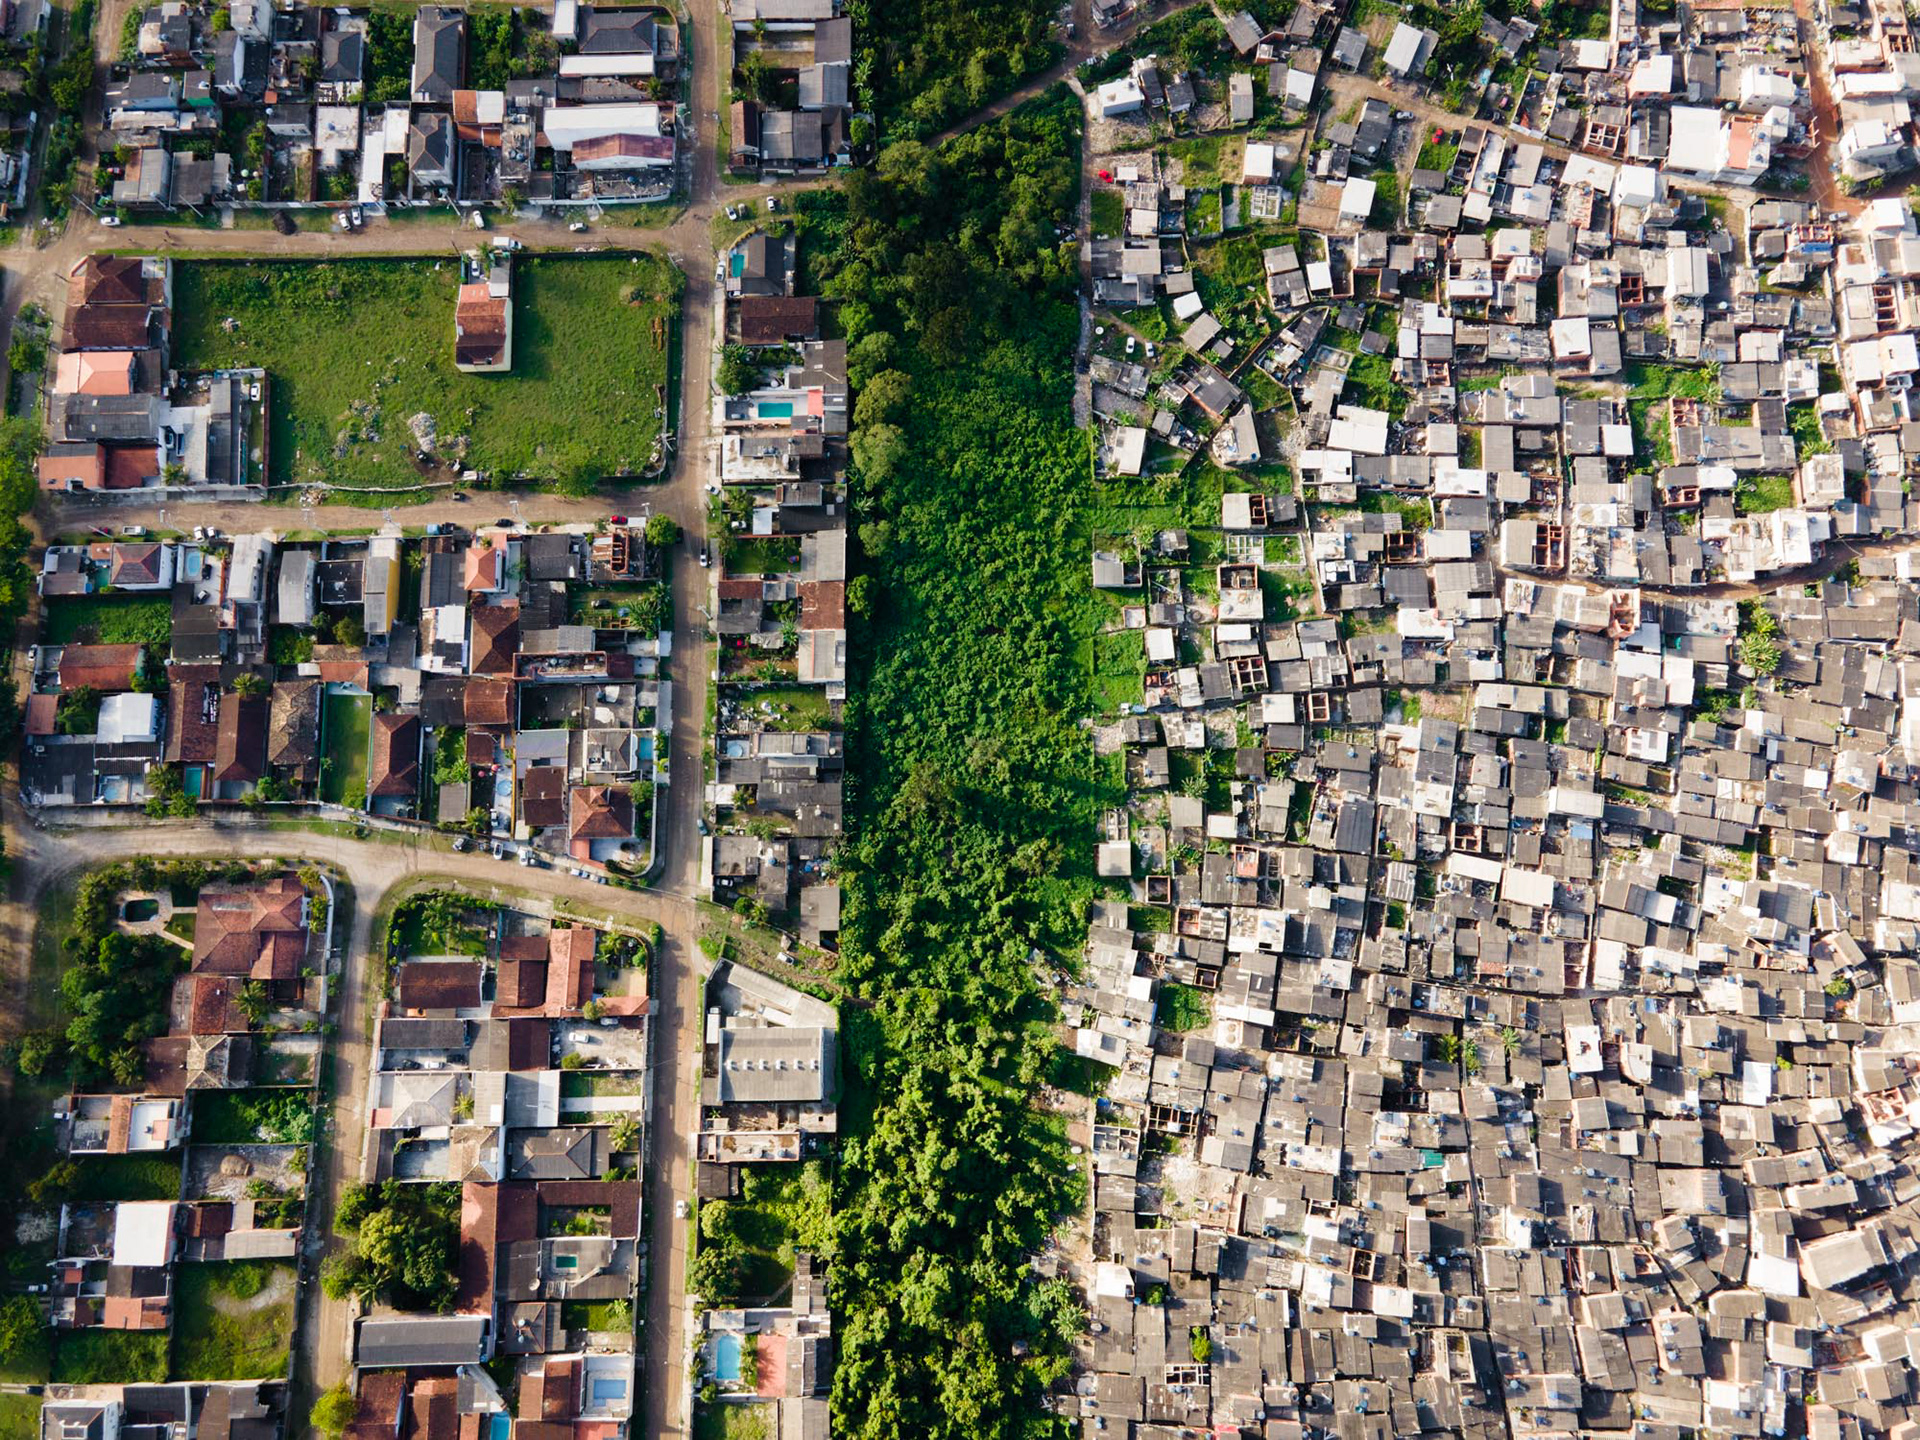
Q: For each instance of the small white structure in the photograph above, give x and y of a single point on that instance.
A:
(1119, 97)
(143, 1232)
(1356, 199)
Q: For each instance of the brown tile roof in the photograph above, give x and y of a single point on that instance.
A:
(529, 1043)
(521, 983)
(489, 702)
(823, 605)
(212, 1004)
(433, 1410)
(130, 466)
(496, 638)
(481, 747)
(479, 326)
(479, 1237)
(104, 667)
(136, 564)
(570, 969)
(543, 796)
(240, 747)
(394, 769)
(377, 1416)
(109, 327)
(440, 984)
(253, 930)
(193, 713)
(112, 280)
(42, 714)
(293, 728)
(770, 319)
(600, 812)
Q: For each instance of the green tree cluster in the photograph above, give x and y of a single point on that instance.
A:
(405, 1238)
(976, 786)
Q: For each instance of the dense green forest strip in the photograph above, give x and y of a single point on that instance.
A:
(971, 788)
(923, 64)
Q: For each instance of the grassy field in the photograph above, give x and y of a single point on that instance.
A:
(357, 349)
(731, 1422)
(129, 1177)
(345, 722)
(232, 1321)
(19, 1417)
(110, 620)
(110, 1357)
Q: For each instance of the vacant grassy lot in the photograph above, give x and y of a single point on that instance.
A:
(110, 1357)
(252, 1117)
(19, 1417)
(357, 349)
(129, 1177)
(345, 721)
(110, 620)
(232, 1321)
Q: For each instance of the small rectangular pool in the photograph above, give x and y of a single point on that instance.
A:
(499, 1425)
(726, 1357)
(775, 409)
(606, 1389)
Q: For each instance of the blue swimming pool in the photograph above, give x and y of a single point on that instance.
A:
(606, 1390)
(499, 1425)
(726, 1357)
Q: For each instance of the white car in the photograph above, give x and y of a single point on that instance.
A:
(577, 226)
(112, 222)
(679, 1209)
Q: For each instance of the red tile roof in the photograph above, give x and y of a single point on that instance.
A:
(440, 984)
(496, 638)
(104, 667)
(251, 930)
(394, 770)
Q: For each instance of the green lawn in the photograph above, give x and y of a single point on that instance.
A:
(19, 1417)
(345, 723)
(1182, 1007)
(1758, 494)
(1109, 212)
(232, 1321)
(1119, 668)
(596, 1315)
(356, 349)
(109, 620)
(731, 1422)
(128, 1177)
(110, 1357)
(793, 707)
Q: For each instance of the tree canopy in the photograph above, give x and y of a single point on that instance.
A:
(969, 781)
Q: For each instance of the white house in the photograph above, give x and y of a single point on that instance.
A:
(1119, 97)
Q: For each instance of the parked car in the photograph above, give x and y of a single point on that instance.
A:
(112, 222)
(773, 203)
(461, 844)
(616, 519)
(706, 557)
(679, 1209)
(459, 497)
